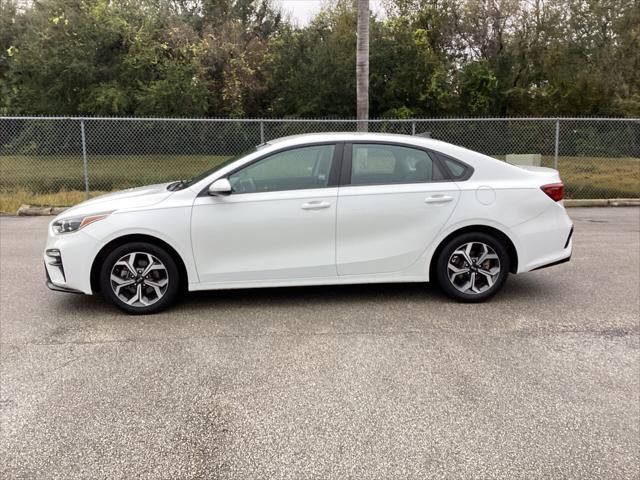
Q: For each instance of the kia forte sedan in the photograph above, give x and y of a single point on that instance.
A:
(320, 209)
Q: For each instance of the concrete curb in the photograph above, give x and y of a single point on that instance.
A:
(605, 202)
(32, 211)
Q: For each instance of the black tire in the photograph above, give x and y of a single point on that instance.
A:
(487, 286)
(157, 303)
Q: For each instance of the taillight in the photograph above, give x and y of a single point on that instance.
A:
(555, 191)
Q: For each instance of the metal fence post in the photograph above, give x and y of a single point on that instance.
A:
(413, 127)
(555, 155)
(261, 132)
(84, 159)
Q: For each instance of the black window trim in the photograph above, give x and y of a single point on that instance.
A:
(334, 174)
(436, 157)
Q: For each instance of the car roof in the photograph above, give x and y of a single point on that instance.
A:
(304, 138)
(484, 165)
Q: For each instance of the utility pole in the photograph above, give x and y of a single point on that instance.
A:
(362, 67)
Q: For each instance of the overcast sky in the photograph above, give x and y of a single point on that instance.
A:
(302, 11)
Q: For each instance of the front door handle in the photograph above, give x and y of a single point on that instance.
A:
(436, 199)
(316, 205)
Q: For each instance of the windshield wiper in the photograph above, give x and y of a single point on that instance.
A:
(179, 185)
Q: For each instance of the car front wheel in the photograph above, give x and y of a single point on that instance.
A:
(472, 267)
(140, 278)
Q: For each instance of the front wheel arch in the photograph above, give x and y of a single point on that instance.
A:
(502, 237)
(115, 243)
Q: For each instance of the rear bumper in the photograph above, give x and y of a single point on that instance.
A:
(545, 240)
(562, 260)
(566, 244)
(553, 264)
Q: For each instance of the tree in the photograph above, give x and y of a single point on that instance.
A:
(312, 68)
(240, 58)
(362, 65)
(8, 33)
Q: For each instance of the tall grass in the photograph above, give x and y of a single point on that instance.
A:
(10, 202)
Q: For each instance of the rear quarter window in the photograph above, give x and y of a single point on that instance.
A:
(457, 170)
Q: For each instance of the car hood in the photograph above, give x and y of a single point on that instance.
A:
(130, 198)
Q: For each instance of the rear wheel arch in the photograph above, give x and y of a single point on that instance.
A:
(494, 232)
(115, 243)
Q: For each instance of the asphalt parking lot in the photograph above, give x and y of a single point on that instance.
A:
(383, 381)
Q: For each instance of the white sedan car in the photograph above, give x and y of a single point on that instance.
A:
(320, 209)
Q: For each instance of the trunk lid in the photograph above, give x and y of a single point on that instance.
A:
(545, 174)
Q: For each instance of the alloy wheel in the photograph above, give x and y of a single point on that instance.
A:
(139, 279)
(473, 268)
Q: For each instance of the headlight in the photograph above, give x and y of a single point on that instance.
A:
(72, 224)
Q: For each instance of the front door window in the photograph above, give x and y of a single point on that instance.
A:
(295, 169)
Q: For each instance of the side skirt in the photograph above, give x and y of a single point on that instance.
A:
(347, 280)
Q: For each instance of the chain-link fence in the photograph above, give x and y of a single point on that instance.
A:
(597, 158)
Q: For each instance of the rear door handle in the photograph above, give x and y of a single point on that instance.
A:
(317, 205)
(438, 199)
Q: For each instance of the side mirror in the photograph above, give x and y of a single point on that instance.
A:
(220, 187)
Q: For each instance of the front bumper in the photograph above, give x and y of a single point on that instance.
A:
(69, 269)
(57, 288)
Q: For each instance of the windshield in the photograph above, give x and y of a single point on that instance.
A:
(217, 167)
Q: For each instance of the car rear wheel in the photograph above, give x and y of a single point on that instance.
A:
(140, 278)
(472, 267)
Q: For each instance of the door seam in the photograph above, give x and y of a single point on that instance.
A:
(335, 234)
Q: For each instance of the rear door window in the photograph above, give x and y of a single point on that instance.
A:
(377, 164)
